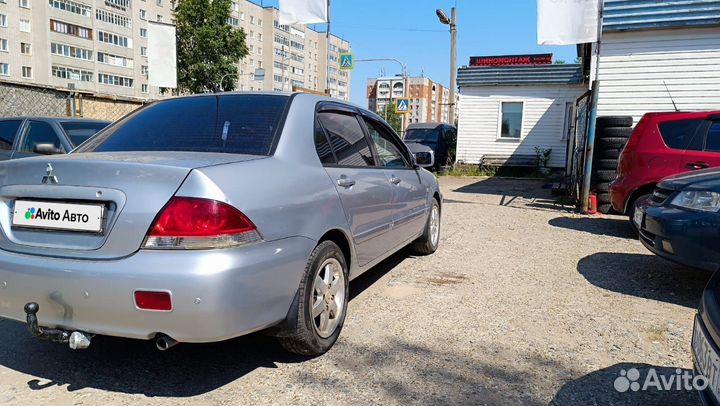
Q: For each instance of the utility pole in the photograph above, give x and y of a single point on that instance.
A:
(327, 48)
(452, 22)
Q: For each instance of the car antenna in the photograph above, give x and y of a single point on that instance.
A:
(671, 98)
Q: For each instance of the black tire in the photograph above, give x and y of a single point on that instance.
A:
(603, 198)
(607, 153)
(606, 164)
(614, 121)
(302, 336)
(604, 175)
(602, 187)
(611, 143)
(631, 209)
(425, 245)
(615, 132)
(604, 208)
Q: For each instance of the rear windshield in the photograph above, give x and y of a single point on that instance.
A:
(79, 131)
(235, 124)
(424, 135)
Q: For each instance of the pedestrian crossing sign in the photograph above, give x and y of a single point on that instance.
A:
(346, 61)
(402, 106)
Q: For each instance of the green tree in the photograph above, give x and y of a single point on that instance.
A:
(208, 48)
(392, 118)
(559, 62)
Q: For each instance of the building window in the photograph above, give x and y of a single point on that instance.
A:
(143, 14)
(115, 60)
(143, 51)
(71, 51)
(27, 72)
(144, 88)
(511, 119)
(72, 7)
(25, 25)
(113, 18)
(235, 6)
(233, 21)
(160, 18)
(159, 2)
(143, 32)
(143, 70)
(3, 20)
(115, 80)
(3, 45)
(4, 69)
(63, 72)
(25, 48)
(118, 4)
(252, 19)
(25, 3)
(114, 39)
(70, 29)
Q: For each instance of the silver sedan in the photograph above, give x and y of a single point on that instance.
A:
(202, 218)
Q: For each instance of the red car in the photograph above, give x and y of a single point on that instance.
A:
(661, 145)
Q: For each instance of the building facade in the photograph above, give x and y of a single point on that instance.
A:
(429, 100)
(100, 47)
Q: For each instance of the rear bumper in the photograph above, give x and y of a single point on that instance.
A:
(685, 237)
(216, 295)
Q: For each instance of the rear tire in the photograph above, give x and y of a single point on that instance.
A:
(430, 239)
(320, 305)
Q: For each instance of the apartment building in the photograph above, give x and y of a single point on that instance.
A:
(429, 100)
(292, 56)
(100, 47)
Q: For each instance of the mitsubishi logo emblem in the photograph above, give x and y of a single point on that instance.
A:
(50, 178)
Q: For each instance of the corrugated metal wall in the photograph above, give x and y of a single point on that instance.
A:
(634, 65)
(643, 14)
(543, 121)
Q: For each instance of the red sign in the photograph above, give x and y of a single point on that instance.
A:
(533, 59)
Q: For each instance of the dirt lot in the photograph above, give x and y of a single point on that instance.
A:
(525, 302)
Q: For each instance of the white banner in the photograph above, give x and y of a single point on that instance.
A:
(162, 55)
(303, 12)
(566, 22)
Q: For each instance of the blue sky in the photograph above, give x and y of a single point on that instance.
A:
(408, 30)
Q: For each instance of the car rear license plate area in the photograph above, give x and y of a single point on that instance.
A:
(58, 216)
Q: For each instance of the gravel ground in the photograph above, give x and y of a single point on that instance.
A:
(524, 302)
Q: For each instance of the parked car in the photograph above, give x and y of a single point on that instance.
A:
(705, 341)
(661, 145)
(436, 138)
(202, 218)
(22, 137)
(680, 220)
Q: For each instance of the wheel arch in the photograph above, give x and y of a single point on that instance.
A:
(642, 190)
(340, 238)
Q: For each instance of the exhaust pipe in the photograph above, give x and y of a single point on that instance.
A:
(164, 342)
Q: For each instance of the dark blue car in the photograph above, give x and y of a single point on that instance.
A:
(680, 221)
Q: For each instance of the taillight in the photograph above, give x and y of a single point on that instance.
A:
(194, 223)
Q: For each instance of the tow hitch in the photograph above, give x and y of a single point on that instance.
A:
(77, 340)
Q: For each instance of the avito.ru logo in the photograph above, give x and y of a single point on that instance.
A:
(30, 213)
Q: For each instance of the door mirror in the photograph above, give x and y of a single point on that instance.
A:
(424, 158)
(47, 149)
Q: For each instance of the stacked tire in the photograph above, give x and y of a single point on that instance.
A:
(611, 135)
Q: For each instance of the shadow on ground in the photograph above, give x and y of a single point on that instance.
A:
(645, 276)
(597, 388)
(528, 193)
(611, 226)
(134, 366)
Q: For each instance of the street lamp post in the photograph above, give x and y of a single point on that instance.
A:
(452, 22)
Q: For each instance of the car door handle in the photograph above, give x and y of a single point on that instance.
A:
(345, 182)
(395, 180)
(698, 165)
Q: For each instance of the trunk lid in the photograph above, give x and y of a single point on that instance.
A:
(132, 187)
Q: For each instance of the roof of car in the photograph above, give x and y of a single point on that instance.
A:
(39, 118)
(428, 126)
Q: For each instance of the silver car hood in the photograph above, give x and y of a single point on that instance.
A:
(133, 186)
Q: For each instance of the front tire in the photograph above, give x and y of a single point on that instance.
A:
(321, 304)
(430, 239)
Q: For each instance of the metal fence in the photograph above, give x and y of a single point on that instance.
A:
(583, 107)
(30, 100)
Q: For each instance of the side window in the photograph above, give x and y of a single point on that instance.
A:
(347, 139)
(322, 146)
(8, 130)
(713, 138)
(388, 153)
(682, 134)
(39, 132)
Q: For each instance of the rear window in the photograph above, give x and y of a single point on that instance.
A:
(235, 124)
(682, 134)
(8, 130)
(78, 131)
